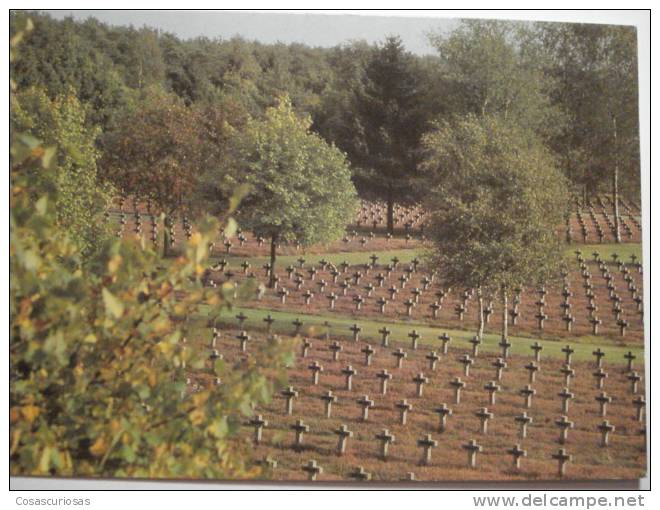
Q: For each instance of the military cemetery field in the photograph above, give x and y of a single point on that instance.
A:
(338, 338)
(238, 260)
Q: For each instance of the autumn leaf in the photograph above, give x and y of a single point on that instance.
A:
(99, 447)
(113, 306)
(30, 412)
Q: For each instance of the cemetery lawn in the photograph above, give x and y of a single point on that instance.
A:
(314, 326)
(624, 250)
(352, 257)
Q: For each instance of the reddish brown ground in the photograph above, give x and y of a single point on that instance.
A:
(623, 459)
(371, 219)
(447, 317)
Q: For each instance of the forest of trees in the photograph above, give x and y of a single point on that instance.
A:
(574, 85)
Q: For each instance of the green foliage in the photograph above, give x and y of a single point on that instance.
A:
(594, 68)
(300, 187)
(379, 119)
(80, 198)
(98, 356)
(59, 57)
(492, 67)
(496, 205)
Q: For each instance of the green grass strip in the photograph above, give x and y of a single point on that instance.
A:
(624, 250)
(314, 325)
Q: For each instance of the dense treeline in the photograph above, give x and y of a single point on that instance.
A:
(574, 85)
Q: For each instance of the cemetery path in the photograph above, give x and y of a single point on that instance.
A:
(315, 325)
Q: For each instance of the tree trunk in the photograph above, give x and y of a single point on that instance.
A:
(390, 210)
(615, 187)
(166, 237)
(480, 296)
(273, 256)
(505, 313)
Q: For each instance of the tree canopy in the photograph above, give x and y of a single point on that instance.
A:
(80, 199)
(300, 187)
(496, 205)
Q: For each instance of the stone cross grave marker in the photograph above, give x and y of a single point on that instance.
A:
(523, 420)
(404, 407)
(335, 347)
(258, 423)
(564, 424)
(343, 434)
(348, 373)
(600, 375)
(427, 443)
(562, 459)
(472, 449)
(517, 453)
(605, 428)
(289, 394)
(316, 369)
(400, 355)
(458, 385)
(420, 380)
(603, 399)
(484, 415)
(566, 396)
(328, 398)
(368, 352)
(384, 376)
(312, 469)
(299, 427)
(386, 438)
(443, 412)
(445, 339)
(528, 392)
(433, 359)
(365, 403)
(492, 388)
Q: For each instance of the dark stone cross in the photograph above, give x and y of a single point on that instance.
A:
(414, 336)
(400, 355)
(404, 407)
(443, 412)
(420, 380)
(562, 458)
(258, 423)
(343, 434)
(365, 404)
(384, 376)
(472, 449)
(349, 372)
(316, 370)
(445, 339)
(385, 438)
(517, 453)
(289, 394)
(492, 388)
(312, 469)
(299, 427)
(427, 443)
(458, 385)
(433, 359)
(523, 421)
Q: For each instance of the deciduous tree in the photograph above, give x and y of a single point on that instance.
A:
(495, 207)
(300, 186)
